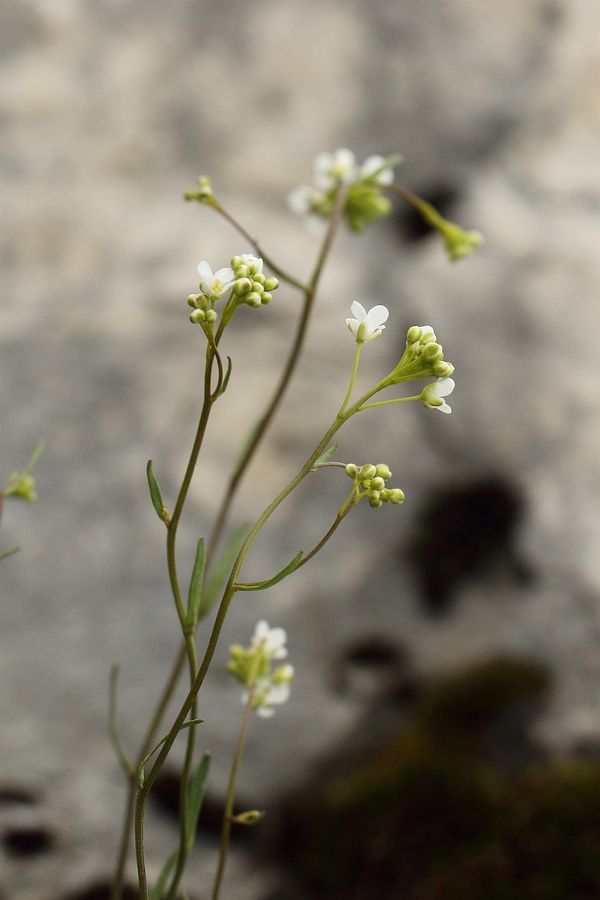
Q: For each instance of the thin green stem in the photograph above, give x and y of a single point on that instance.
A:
(352, 377)
(226, 829)
(387, 402)
(309, 292)
(285, 276)
(147, 743)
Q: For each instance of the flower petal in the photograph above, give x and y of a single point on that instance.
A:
(358, 311)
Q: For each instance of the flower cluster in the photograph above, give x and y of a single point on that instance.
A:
(243, 280)
(369, 480)
(366, 326)
(364, 201)
(252, 667)
(459, 243)
(423, 358)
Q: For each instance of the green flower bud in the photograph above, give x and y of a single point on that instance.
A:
(197, 316)
(242, 286)
(193, 300)
(375, 501)
(241, 271)
(251, 817)
(351, 470)
(257, 287)
(377, 484)
(382, 471)
(271, 283)
(396, 496)
(210, 315)
(367, 471)
(413, 335)
(442, 369)
(236, 262)
(265, 297)
(432, 352)
(260, 278)
(252, 299)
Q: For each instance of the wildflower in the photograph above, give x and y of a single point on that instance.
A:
(458, 242)
(366, 326)
(369, 481)
(422, 358)
(252, 667)
(214, 286)
(364, 202)
(432, 395)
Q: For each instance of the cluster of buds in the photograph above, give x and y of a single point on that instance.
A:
(252, 666)
(458, 242)
(250, 285)
(423, 357)
(370, 480)
(243, 280)
(364, 201)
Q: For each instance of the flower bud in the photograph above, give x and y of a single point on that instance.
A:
(242, 286)
(260, 278)
(241, 271)
(193, 300)
(367, 471)
(197, 316)
(375, 502)
(396, 496)
(252, 299)
(432, 352)
(382, 471)
(377, 484)
(413, 335)
(266, 297)
(210, 315)
(442, 369)
(257, 287)
(351, 470)
(271, 283)
(236, 262)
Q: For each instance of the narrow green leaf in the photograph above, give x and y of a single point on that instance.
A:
(34, 458)
(8, 553)
(155, 494)
(141, 775)
(112, 721)
(195, 591)
(195, 798)
(241, 457)
(157, 891)
(222, 569)
(325, 457)
(263, 585)
(227, 377)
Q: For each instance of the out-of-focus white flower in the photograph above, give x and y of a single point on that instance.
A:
(375, 169)
(432, 395)
(270, 641)
(270, 691)
(333, 167)
(214, 286)
(366, 326)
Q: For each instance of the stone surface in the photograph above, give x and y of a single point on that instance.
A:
(109, 112)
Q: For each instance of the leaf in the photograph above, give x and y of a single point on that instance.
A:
(8, 553)
(34, 458)
(157, 891)
(227, 377)
(112, 721)
(155, 494)
(263, 585)
(325, 457)
(195, 590)
(195, 798)
(222, 569)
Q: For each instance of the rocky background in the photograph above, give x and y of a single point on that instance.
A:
(109, 110)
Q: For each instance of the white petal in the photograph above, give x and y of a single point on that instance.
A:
(444, 387)
(444, 408)
(299, 201)
(265, 712)
(358, 311)
(352, 325)
(224, 275)
(205, 272)
(378, 315)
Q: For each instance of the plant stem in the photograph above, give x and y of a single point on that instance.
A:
(226, 829)
(309, 292)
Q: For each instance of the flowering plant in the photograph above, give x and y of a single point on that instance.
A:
(344, 192)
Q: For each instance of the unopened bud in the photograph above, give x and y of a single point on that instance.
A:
(367, 471)
(382, 471)
(242, 286)
(266, 297)
(197, 316)
(252, 299)
(413, 334)
(271, 283)
(351, 470)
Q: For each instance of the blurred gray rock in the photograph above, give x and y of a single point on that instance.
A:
(109, 111)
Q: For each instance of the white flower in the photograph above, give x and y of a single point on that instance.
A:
(214, 286)
(254, 263)
(333, 167)
(270, 691)
(270, 641)
(366, 326)
(373, 164)
(432, 394)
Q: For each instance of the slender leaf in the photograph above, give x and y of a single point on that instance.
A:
(34, 458)
(157, 891)
(263, 585)
(325, 457)
(195, 591)
(227, 377)
(222, 569)
(112, 721)
(8, 553)
(155, 494)
(195, 798)
(141, 775)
